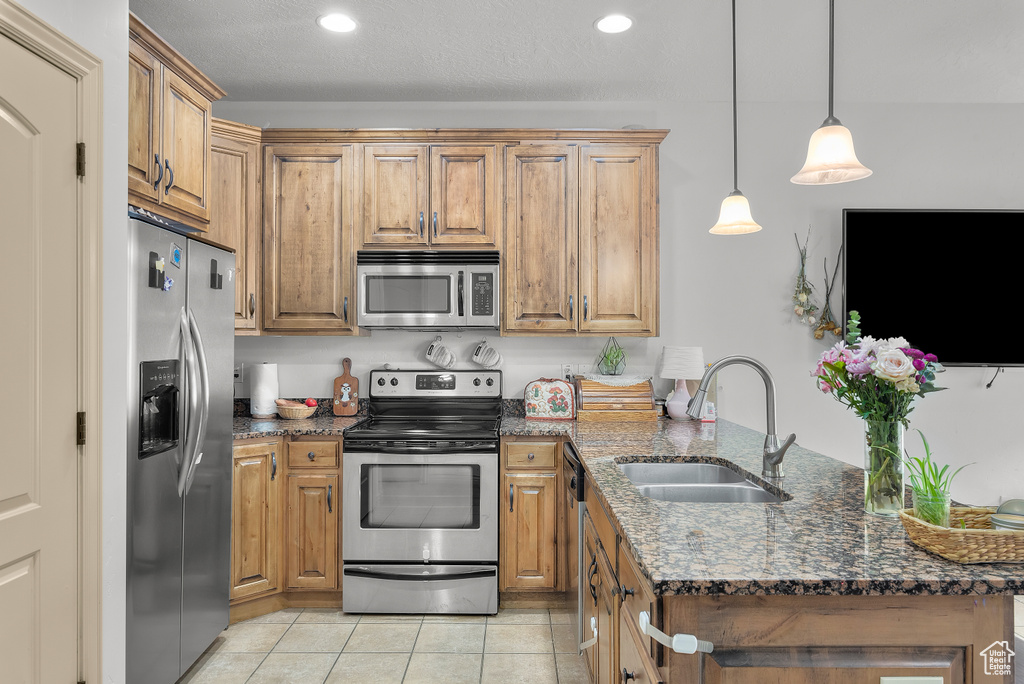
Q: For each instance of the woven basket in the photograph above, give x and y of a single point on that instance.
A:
(978, 543)
(295, 412)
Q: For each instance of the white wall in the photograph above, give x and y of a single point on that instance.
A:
(732, 294)
(101, 26)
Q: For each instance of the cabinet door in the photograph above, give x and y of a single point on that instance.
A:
(255, 516)
(311, 545)
(464, 196)
(541, 235)
(186, 147)
(395, 191)
(635, 664)
(591, 591)
(607, 622)
(530, 531)
(235, 199)
(308, 262)
(618, 239)
(145, 162)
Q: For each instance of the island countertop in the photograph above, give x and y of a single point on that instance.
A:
(819, 542)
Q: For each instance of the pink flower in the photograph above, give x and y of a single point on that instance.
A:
(931, 358)
(913, 353)
(825, 386)
(919, 364)
(860, 363)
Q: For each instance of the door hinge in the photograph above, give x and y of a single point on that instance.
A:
(81, 428)
(80, 159)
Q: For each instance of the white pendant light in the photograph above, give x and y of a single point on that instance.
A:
(734, 218)
(830, 155)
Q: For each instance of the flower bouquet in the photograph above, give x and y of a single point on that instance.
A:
(879, 380)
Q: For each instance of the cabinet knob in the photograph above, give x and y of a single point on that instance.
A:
(311, 455)
(530, 456)
(626, 592)
(627, 675)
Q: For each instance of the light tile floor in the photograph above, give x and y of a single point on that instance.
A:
(326, 646)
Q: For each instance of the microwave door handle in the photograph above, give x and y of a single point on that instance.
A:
(462, 307)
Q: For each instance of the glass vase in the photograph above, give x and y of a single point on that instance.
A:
(932, 507)
(883, 467)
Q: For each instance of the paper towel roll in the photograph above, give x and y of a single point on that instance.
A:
(264, 389)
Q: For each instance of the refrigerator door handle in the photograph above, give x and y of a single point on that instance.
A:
(204, 400)
(192, 410)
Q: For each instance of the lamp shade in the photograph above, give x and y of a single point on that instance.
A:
(734, 218)
(682, 363)
(830, 158)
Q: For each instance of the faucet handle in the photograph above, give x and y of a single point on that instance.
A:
(776, 456)
(773, 456)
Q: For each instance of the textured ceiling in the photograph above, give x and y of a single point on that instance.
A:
(508, 50)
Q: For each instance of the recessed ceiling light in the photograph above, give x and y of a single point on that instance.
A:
(340, 23)
(613, 23)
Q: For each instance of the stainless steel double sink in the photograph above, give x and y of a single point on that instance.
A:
(694, 483)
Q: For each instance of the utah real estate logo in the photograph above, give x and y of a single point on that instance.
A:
(998, 659)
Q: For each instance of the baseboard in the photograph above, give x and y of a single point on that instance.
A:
(256, 607)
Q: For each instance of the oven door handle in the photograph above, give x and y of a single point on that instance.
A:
(472, 574)
(462, 306)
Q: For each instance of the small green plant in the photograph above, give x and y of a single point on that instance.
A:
(931, 485)
(613, 358)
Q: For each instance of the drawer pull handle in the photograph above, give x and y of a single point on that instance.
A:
(680, 643)
(311, 455)
(510, 498)
(160, 171)
(330, 508)
(273, 465)
(627, 675)
(252, 304)
(530, 456)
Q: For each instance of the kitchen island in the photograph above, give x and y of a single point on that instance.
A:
(809, 589)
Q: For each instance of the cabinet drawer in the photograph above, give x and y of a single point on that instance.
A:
(530, 454)
(313, 454)
(634, 663)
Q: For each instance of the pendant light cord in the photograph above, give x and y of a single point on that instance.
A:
(735, 159)
(831, 51)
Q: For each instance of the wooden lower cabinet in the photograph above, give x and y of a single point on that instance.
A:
(311, 548)
(255, 519)
(531, 507)
(635, 664)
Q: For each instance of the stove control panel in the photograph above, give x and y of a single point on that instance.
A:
(435, 383)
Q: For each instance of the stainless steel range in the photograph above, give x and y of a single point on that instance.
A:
(420, 504)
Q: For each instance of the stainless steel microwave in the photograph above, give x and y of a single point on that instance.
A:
(428, 289)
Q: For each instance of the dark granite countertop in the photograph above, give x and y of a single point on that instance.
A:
(245, 427)
(818, 542)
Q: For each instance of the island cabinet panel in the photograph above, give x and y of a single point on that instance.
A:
(395, 195)
(618, 239)
(635, 663)
(312, 542)
(255, 519)
(464, 189)
(839, 639)
(308, 260)
(530, 531)
(541, 238)
(235, 202)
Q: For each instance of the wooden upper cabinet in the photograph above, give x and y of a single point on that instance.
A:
(255, 517)
(541, 239)
(308, 261)
(144, 84)
(618, 239)
(464, 196)
(395, 190)
(169, 112)
(235, 216)
(444, 196)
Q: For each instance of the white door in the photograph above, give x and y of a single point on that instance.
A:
(39, 370)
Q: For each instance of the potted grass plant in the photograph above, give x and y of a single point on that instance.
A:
(930, 485)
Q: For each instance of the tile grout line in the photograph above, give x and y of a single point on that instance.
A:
(412, 650)
(267, 655)
(483, 647)
(347, 639)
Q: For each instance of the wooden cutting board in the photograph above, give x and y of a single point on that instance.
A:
(346, 391)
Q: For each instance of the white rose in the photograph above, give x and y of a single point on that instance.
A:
(892, 365)
(803, 297)
(811, 320)
(799, 310)
(908, 384)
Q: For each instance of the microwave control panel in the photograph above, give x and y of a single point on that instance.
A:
(482, 294)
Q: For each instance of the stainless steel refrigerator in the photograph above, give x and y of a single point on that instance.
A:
(181, 352)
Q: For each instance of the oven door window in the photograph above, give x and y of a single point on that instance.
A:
(434, 496)
(408, 294)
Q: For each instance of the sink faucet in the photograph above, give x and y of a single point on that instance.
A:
(773, 451)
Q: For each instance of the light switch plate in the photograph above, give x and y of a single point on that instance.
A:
(911, 680)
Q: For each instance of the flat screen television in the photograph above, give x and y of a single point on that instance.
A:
(950, 282)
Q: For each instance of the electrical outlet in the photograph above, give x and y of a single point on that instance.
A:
(239, 368)
(567, 371)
